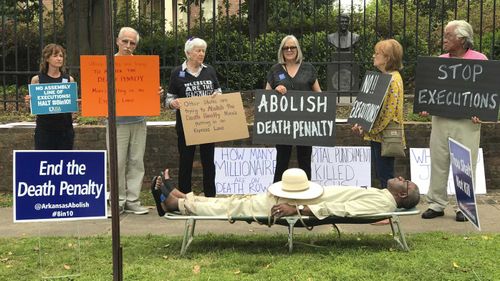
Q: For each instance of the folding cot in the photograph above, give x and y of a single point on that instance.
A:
(294, 221)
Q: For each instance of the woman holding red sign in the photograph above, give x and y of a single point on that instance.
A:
(53, 131)
(292, 73)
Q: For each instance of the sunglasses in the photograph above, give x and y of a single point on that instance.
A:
(291, 48)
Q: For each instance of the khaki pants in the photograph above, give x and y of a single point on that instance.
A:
(130, 145)
(461, 130)
(234, 206)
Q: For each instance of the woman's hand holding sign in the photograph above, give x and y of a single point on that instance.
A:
(280, 89)
(175, 104)
(357, 129)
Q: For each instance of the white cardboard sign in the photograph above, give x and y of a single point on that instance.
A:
(341, 165)
(420, 169)
(250, 170)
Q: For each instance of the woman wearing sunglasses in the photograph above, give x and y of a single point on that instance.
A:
(292, 73)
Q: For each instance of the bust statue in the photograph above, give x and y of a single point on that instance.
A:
(343, 39)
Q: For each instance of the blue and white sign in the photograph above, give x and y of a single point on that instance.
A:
(59, 185)
(420, 171)
(461, 166)
(53, 98)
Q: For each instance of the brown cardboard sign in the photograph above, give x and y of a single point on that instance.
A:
(209, 119)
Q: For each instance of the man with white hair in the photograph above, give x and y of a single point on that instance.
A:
(192, 79)
(293, 195)
(458, 42)
(130, 140)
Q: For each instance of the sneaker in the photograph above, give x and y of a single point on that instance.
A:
(121, 210)
(136, 209)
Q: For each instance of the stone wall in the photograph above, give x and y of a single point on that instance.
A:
(161, 149)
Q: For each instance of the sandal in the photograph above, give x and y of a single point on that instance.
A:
(157, 195)
(166, 186)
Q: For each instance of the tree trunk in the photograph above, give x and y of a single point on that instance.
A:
(84, 29)
(257, 17)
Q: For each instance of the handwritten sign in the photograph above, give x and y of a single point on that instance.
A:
(244, 170)
(210, 119)
(250, 170)
(137, 80)
(341, 165)
(371, 95)
(296, 118)
(59, 185)
(53, 98)
(457, 88)
(461, 165)
(420, 170)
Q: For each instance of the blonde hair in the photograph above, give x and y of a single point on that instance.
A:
(393, 51)
(47, 52)
(299, 57)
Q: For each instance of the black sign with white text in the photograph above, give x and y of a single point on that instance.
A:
(371, 95)
(296, 118)
(457, 88)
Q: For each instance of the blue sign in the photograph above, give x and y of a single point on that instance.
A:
(53, 98)
(461, 166)
(59, 185)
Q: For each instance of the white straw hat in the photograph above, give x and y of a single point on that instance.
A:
(295, 185)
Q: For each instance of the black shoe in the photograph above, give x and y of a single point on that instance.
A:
(430, 214)
(157, 195)
(459, 216)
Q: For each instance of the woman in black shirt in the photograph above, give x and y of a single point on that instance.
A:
(292, 73)
(53, 131)
(193, 78)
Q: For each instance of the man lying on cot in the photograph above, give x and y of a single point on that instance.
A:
(293, 195)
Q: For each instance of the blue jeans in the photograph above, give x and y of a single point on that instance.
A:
(384, 166)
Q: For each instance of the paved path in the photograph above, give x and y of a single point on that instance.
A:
(489, 214)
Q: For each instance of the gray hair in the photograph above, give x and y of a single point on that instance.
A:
(463, 30)
(191, 43)
(129, 29)
(299, 58)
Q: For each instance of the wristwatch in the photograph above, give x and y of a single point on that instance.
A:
(300, 208)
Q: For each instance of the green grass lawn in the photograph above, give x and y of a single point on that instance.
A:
(434, 256)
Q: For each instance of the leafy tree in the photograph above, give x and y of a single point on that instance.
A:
(83, 28)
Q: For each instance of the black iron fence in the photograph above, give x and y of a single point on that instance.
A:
(242, 36)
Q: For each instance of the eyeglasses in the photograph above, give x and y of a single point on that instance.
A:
(126, 41)
(290, 48)
(406, 183)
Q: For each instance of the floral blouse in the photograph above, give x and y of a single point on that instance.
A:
(391, 110)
